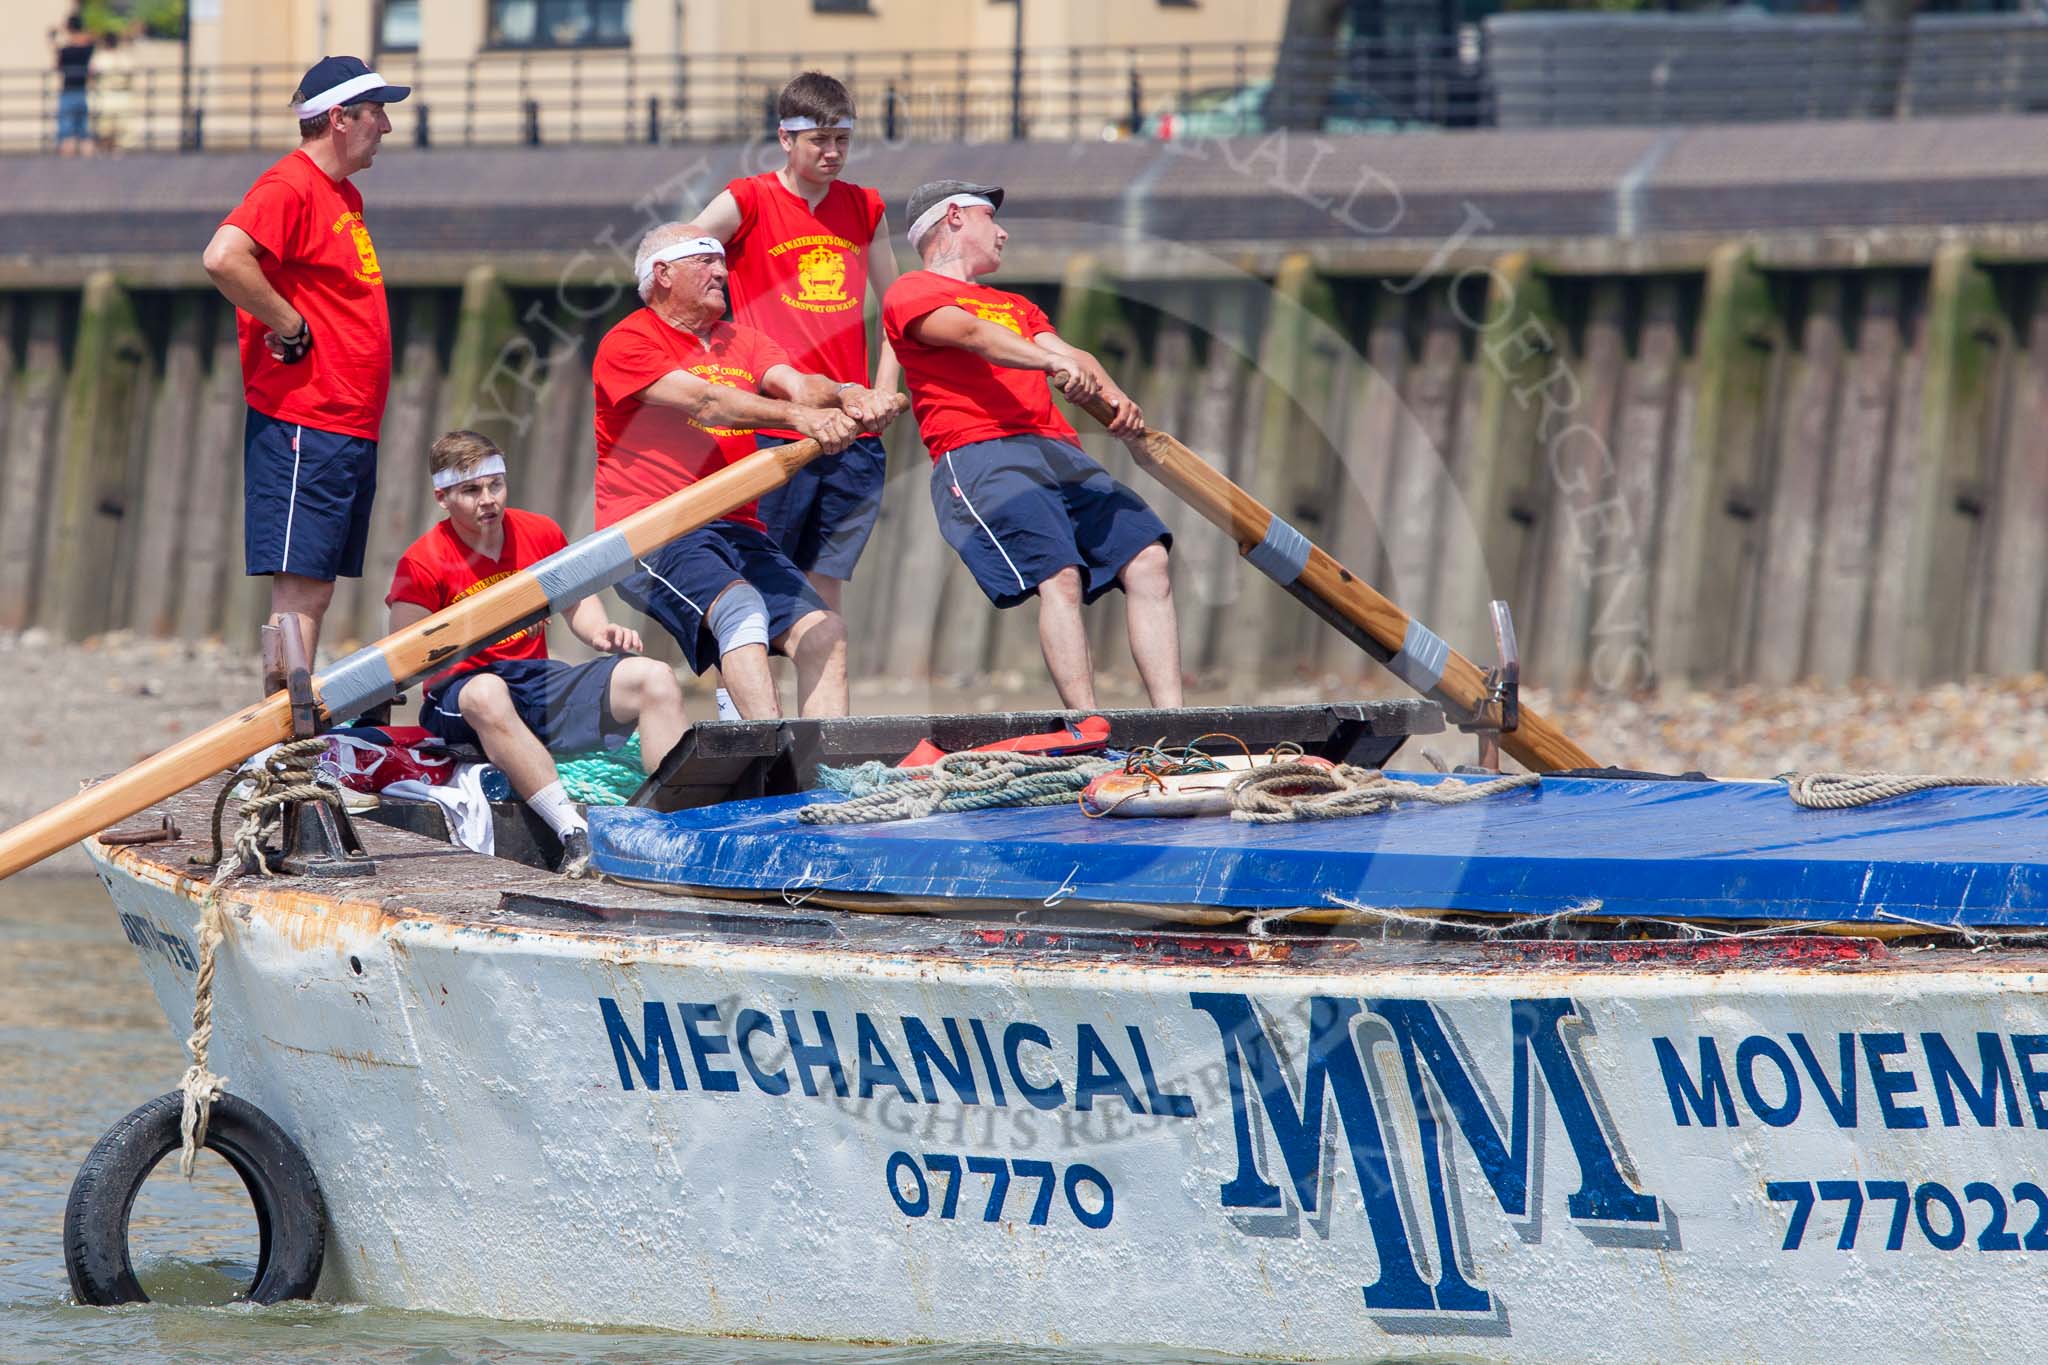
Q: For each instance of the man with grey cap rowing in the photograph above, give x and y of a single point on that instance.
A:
(296, 260)
(1017, 498)
(680, 393)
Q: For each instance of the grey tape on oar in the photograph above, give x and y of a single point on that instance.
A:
(357, 683)
(1282, 555)
(591, 564)
(1420, 663)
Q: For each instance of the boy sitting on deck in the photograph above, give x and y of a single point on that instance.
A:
(510, 699)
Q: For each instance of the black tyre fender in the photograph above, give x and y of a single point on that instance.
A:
(291, 1217)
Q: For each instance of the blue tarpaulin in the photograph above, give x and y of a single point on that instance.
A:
(1675, 850)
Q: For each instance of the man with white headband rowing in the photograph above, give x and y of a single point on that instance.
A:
(804, 249)
(511, 700)
(1017, 498)
(295, 258)
(680, 393)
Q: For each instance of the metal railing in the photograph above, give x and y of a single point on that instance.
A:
(617, 96)
(1515, 70)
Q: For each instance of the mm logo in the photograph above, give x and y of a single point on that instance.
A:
(1393, 1082)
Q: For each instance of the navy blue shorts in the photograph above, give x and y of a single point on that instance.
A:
(1019, 509)
(306, 498)
(823, 516)
(567, 706)
(678, 582)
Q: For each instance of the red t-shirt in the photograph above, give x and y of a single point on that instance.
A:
(958, 397)
(802, 276)
(439, 570)
(317, 253)
(646, 451)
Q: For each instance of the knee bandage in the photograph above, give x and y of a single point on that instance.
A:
(739, 617)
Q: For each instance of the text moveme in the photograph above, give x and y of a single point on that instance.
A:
(1889, 1080)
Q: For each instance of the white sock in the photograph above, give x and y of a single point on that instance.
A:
(726, 710)
(553, 805)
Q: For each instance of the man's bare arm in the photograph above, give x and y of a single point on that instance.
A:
(952, 326)
(1127, 420)
(874, 410)
(882, 273)
(589, 622)
(719, 405)
(720, 218)
(404, 614)
(234, 263)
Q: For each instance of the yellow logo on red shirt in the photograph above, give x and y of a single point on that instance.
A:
(821, 273)
(368, 271)
(989, 311)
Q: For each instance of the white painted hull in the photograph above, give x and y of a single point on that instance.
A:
(459, 1091)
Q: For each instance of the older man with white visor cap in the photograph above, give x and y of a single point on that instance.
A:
(1025, 508)
(680, 392)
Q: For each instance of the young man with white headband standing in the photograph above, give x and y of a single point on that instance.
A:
(511, 700)
(804, 249)
(1019, 501)
(680, 393)
(296, 260)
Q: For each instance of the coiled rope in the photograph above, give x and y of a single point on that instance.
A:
(1842, 791)
(287, 775)
(1287, 792)
(957, 782)
(602, 777)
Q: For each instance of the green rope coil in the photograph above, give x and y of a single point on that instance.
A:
(957, 782)
(603, 777)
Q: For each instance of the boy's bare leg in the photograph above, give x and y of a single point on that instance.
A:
(817, 645)
(1155, 634)
(645, 691)
(1063, 639)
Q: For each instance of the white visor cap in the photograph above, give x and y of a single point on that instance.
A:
(934, 215)
(676, 251)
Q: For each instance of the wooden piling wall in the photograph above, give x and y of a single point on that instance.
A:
(1731, 475)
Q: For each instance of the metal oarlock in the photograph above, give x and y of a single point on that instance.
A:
(319, 838)
(1502, 712)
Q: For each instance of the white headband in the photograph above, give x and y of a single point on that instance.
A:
(676, 251)
(340, 94)
(929, 219)
(804, 123)
(482, 469)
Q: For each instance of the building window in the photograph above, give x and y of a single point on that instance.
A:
(398, 26)
(842, 6)
(561, 23)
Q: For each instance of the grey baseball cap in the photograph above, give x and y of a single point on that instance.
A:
(932, 193)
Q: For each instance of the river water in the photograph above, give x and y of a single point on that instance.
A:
(82, 1042)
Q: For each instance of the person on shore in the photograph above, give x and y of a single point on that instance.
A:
(511, 700)
(296, 259)
(680, 393)
(72, 50)
(114, 93)
(804, 249)
(1023, 506)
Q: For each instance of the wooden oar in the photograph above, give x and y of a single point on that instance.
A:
(1340, 597)
(380, 671)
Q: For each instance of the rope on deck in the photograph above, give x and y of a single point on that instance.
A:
(1288, 792)
(1843, 791)
(603, 777)
(957, 782)
(287, 775)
